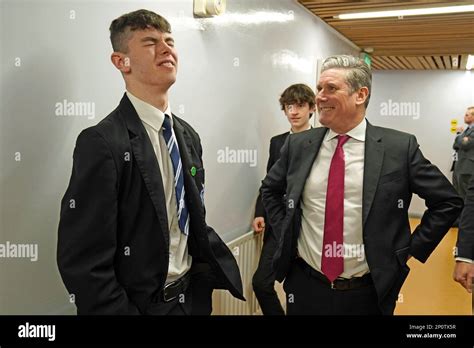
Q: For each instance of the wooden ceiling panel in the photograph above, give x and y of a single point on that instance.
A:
(413, 42)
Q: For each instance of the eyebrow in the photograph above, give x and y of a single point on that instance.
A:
(154, 39)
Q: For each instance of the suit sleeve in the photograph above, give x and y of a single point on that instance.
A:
(443, 203)
(274, 188)
(459, 144)
(259, 210)
(465, 243)
(87, 236)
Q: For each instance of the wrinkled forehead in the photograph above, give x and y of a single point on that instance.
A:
(333, 75)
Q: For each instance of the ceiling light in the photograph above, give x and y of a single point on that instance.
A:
(411, 12)
(470, 62)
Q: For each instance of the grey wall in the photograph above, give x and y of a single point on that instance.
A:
(232, 70)
(432, 99)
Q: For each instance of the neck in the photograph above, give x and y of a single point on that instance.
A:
(156, 97)
(300, 129)
(345, 128)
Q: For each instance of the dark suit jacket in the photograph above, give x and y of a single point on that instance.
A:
(113, 242)
(276, 143)
(394, 169)
(465, 243)
(465, 151)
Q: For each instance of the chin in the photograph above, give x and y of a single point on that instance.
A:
(323, 121)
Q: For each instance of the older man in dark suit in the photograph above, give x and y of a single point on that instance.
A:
(344, 234)
(464, 158)
(132, 236)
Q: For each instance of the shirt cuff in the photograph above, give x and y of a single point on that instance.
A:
(463, 259)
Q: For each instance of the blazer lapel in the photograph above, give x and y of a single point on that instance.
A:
(185, 151)
(373, 159)
(146, 161)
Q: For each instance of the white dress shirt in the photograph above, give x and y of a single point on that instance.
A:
(152, 119)
(313, 202)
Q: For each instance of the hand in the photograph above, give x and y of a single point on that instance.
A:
(465, 140)
(463, 274)
(258, 224)
(460, 129)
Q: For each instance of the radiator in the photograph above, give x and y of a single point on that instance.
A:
(246, 249)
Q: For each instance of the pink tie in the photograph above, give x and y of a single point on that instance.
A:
(332, 259)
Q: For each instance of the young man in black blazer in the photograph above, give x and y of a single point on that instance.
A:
(133, 238)
(298, 104)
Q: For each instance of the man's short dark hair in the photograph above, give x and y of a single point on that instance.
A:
(297, 94)
(121, 28)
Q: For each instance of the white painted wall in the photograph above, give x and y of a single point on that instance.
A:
(440, 96)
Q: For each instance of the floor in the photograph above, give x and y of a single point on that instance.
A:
(430, 288)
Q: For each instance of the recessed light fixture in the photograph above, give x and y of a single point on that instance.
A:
(470, 62)
(410, 12)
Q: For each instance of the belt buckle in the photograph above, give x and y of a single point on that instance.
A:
(332, 286)
(169, 299)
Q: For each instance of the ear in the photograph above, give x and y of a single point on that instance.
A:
(121, 62)
(362, 95)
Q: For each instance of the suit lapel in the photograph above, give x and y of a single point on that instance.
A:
(311, 148)
(373, 159)
(146, 161)
(469, 131)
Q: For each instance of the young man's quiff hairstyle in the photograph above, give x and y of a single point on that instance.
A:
(297, 94)
(122, 27)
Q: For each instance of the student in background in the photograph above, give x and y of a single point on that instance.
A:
(298, 104)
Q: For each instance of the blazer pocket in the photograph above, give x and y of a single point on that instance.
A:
(402, 256)
(393, 176)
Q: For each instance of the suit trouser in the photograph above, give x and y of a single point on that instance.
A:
(461, 184)
(308, 295)
(263, 281)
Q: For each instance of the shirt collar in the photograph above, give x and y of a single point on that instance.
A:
(149, 114)
(357, 133)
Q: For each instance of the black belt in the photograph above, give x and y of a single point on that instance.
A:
(339, 283)
(172, 290)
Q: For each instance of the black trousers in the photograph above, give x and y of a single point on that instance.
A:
(308, 295)
(196, 300)
(263, 280)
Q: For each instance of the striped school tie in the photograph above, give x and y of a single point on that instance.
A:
(172, 144)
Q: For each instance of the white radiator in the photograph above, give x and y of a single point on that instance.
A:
(246, 250)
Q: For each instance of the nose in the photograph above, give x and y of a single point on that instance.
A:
(164, 48)
(320, 96)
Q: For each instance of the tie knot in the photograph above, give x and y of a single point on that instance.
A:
(167, 122)
(342, 139)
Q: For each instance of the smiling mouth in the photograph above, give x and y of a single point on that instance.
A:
(168, 64)
(326, 108)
